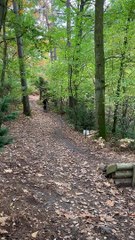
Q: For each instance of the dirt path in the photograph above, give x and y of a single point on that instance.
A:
(51, 188)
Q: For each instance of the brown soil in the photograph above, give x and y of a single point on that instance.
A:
(51, 188)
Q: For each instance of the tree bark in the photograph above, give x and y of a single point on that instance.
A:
(4, 57)
(3, 11)
(99, 69)
(25, 97)
(71, 98)
(78, 38)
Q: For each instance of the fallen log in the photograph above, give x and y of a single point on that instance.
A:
(133, 179)
(123, 182)
(123, 174)
(119, 166)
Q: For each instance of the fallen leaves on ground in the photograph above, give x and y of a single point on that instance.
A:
(53, 186)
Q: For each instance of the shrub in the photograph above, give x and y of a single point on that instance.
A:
(81, 117)
(5, 115)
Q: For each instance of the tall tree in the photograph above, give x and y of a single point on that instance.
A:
(25, 97)
(99, 68)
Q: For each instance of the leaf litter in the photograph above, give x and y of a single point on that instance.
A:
(53, 189)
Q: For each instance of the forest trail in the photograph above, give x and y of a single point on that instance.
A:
(51, 188)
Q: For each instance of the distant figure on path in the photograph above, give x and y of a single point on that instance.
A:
(45, 104)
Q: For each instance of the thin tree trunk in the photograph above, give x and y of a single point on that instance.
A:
(25, 97)
(115, 117)
(4, 57)
(79, 30)
(47, 12)
(74, 70)
(68, 8)
(3, 11)
(121, 76)
(125, 124)
(99, 69)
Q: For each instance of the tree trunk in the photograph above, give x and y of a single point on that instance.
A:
(115, 117)
(121, 77)
(4, 57)
(99, 69)
(78, 38)
(47, 12)
(71, 98)
(3, 11)
(25, 97)
(124, 121)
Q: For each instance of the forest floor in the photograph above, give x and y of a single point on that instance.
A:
(52, 188)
